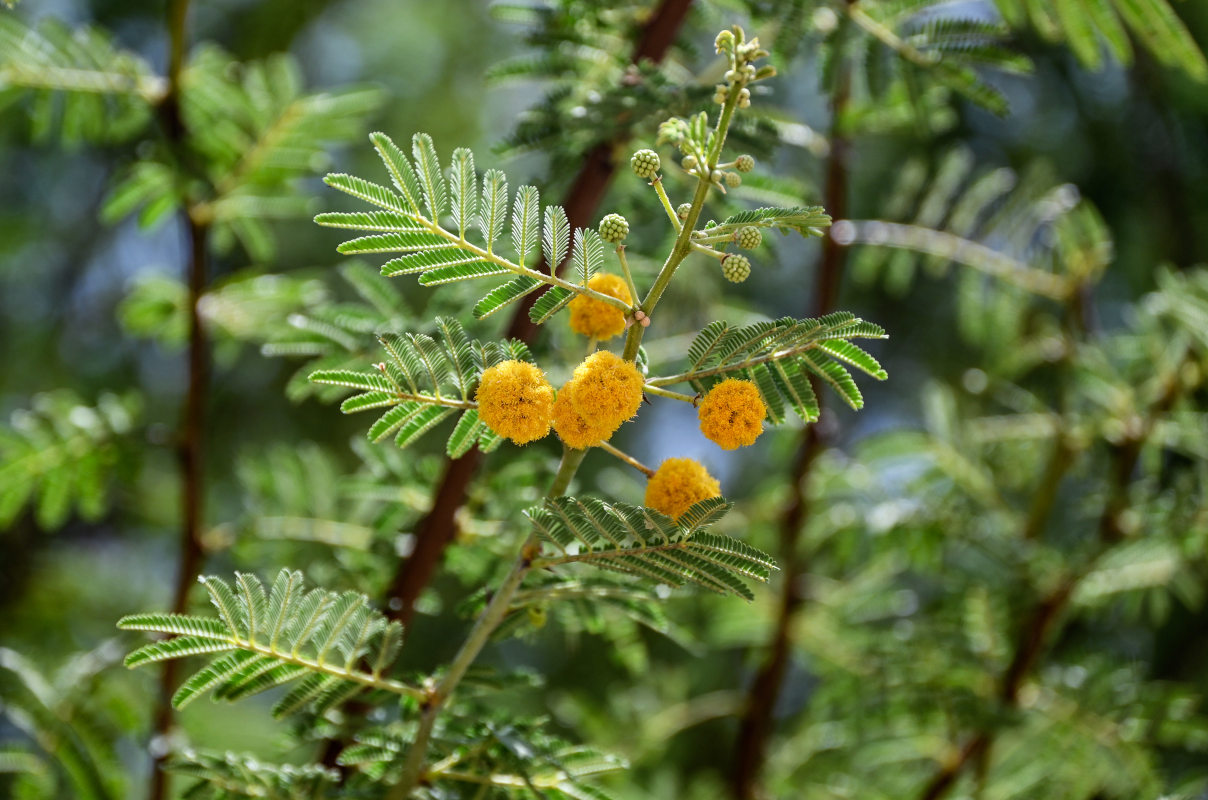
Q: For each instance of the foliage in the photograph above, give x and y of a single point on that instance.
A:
(58, 456)
(999, 576)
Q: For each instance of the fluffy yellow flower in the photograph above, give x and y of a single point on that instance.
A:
(678, 484)
(732, 414)
(595, 318)
(571, 426)
(516, 401)
(607, 391)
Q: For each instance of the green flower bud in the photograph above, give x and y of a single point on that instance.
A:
(736, 268)
(689, 162)
(748, 238)
(744, 98)
(733, 180)
(720, 95)
(744, 163)
(645, 164)
(682, 210)
(614, 228)
(763, 73)
(724, 41)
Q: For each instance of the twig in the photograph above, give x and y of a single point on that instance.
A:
(628, 459)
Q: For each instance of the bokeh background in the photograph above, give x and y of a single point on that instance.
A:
(94, 306)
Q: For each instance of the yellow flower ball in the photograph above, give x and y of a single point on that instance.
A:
(571, 427)
(608, 390)
(516, 401)
(732, 414)
(595, 318)
(678, 484)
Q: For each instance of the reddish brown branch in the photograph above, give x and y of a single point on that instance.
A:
(437, 529)
(192, 431)
(755, 726)
(1038, 629)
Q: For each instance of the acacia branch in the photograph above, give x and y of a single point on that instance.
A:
(437, 529)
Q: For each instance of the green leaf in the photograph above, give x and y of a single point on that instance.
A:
(494, 206)
(526, 222)
(400, 171)
(428, 168)
(464, 183)
(279, 636)
(506, 294)
(555, 237)
(649, 545)
(550, 303)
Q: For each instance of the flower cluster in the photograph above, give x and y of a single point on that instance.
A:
(678, 484)
(596, 319)
(516, 401)
(732, 414)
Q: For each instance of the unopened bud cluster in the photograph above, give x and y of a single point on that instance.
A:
(645, 164)
(736, 268)
(743, 55)
(614, 228)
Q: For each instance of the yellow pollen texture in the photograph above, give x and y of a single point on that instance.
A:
(516, 401)
(732, 414)
(678, 484)
(570, 425)
(595, 318)
(607, 391)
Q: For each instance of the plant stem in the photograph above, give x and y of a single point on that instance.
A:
(488, 621)
(192, 434)
(650, 388)
(633, 288)
(628, 459)
(657, 183)
(756, 723)
(683, 242)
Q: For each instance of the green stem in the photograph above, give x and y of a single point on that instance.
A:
(656, 390)
(670, 209)
(628, 459)
(633, 288)
(488, 621)
(683, 242)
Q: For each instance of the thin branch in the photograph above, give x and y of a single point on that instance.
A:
(192, 435)
(658, 391)
(756, 722)
(628, 459)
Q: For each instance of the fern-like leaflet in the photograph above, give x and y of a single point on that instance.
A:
(779, 356)
(334, 644)
(409, 222)
(424, 381)
(647, 544)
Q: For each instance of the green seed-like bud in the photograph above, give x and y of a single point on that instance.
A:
(733, 180)
(724, 41)
(682, 210)
(748, 238)
(645, 164)
(744, 98)
(614, 228)
(736, 268)
(720, 95)
(689, 162)
(744, 163)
